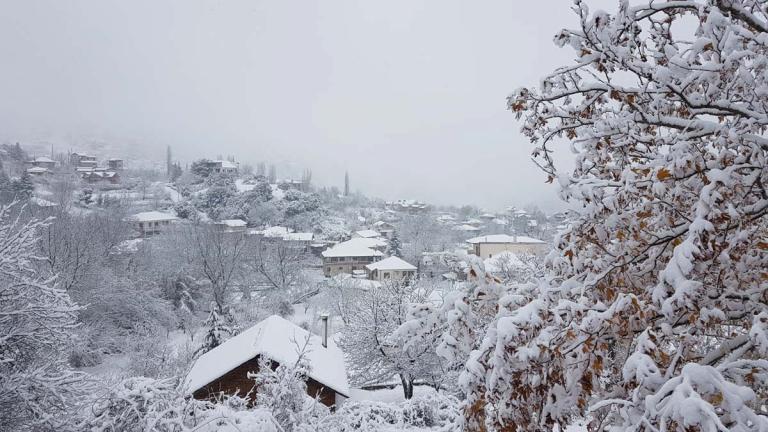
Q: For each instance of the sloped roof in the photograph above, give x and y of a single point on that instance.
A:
(355, 247)
(233, 223)
(368, 234)
(151, 216)
(302, 236)
(275, 231)
(465, 228)
(503, 238)
(391, 263)
(43, 159)
(280, 341)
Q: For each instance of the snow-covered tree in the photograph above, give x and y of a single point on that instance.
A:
(220, 326)
(282, 390)
(394, 246)
(38, 390)
(375, 353)
(212, 255)
(653, 316)
(23, 187)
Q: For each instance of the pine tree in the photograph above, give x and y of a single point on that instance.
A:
(394, 245)
(168, 162)
(346, 183)
(221, 326)
(23, 187)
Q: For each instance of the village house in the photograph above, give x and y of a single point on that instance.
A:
(351, 255)
(222, 166)
(224, 370)
(115, 164)
(151, 222)
(490, 245)
(408, 206)
(301, 240)
(38, 171)
(99, 176)
(385, 228)
(392, 268)
(43, 162)
(78, 160)
(232, 225)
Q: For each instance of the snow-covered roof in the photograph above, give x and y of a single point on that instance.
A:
(303, 236)
(379, 224)
(225, 164)
(43, 159)
(280, 341)
(503, 238)
(275, 231)
(361, 284)
(368, 234)
(465, 228)
(355, 247)
(233, 223)
(473, 221)
(151, 216)
(391, 263)
(37, 170)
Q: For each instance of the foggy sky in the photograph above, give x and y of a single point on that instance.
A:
(407, 95)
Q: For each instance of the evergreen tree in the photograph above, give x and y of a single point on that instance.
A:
(23, 187)
(221, 326)
(394, 245)
(346, 183)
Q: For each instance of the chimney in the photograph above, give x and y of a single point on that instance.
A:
(324, 317)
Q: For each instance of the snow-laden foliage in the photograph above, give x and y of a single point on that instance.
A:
(375, 353)
(282, 390)
(219, 326)
(430, 412)
(38, 390)
(143, 404)
(653, 315)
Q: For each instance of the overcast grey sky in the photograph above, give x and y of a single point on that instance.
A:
(408, 95)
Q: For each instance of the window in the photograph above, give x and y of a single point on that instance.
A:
(386, 275)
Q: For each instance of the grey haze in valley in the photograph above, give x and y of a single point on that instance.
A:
(408, 96)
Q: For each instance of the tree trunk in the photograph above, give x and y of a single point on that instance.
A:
(407, 386)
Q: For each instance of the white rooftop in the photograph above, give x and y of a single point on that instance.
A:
(226, 163)
(465, 228)
(275, 231)
(152, 216)
(303, 236)
(44, 159)
(391, 263)
(280, 341)
(356, 247)
(36, 170)
(233, 223)
(503, 238)
(368, 234)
